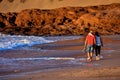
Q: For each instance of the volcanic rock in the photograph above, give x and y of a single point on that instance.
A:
(62, 21)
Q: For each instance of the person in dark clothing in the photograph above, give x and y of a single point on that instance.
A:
(98, 45)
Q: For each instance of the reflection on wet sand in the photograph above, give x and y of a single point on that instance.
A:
(52, 56)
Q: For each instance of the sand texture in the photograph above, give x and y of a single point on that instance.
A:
(68, 63)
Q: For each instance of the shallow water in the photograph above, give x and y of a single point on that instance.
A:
(19, 57)
(17, 41)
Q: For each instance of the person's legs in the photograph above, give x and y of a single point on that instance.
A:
(88, 53)
(89, 58)
(91, 54)
(90, 50)
(97, 50)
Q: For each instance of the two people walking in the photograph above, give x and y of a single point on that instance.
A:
(93, 42)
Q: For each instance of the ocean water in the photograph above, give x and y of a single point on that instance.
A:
(22, 61)
(16, 41)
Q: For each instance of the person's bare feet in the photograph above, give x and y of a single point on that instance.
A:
(97, 58)
(89, 59)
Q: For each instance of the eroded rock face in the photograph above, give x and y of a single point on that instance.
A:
(63, 21)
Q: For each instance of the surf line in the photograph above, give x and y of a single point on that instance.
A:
(44, 58)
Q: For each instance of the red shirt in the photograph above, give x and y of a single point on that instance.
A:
(90, 39)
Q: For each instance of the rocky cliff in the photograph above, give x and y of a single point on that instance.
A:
(62, 21)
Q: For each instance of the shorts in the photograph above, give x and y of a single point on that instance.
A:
(90, 48)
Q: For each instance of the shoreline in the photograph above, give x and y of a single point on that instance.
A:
(108, 68)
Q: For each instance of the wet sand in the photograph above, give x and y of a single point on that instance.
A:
(62, 60)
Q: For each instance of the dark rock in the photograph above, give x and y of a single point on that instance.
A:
(62, 21)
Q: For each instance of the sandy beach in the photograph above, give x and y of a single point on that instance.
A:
(44, 39)
(63, 60)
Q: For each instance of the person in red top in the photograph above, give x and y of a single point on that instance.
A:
(89, 45)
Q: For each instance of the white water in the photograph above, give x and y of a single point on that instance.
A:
(44, 62)
(15, 41)
(10, 42)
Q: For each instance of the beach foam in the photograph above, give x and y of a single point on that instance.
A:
(15, 41)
